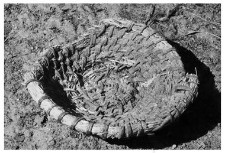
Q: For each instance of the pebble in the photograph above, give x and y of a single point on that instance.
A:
(19, 137)
(66, 7)
(52, 142)
(39, 119)
(174, 146)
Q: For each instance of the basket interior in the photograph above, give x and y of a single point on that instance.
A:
(113, 76)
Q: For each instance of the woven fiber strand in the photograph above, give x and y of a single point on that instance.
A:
(119, 80)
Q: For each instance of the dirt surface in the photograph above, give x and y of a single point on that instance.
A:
(194, 29)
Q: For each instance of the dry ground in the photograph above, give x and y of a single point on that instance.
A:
(194, 29)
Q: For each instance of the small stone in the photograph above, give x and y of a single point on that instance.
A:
(66, 7)
(19, 137)
(174, 146)
(52, 142)
(39, 119)
(28, 133)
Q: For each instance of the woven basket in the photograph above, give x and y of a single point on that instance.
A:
(119, 80)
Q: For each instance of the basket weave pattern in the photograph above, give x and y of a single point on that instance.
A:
(124, 79)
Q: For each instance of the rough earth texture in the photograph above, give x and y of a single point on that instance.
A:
(194, 29)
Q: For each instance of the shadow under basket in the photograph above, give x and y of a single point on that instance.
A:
(119, 80)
